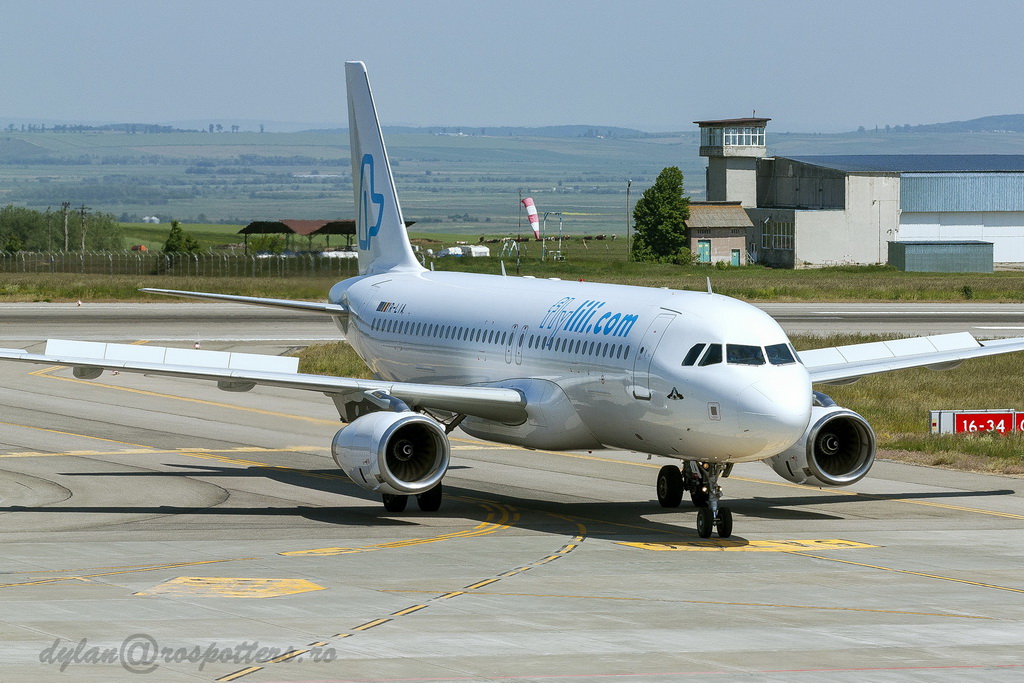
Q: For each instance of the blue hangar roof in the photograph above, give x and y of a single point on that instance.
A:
(917, 163)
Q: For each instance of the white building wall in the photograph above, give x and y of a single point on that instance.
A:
(1005, 229)
(858, 234)
(823, 238)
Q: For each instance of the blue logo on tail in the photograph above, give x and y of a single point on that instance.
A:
(366, 229)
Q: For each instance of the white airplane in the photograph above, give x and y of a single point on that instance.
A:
(548, 364)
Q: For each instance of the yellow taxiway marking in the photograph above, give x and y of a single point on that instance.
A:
(472, 444)
(286, 656)
(408, 610)
(371, 624)
(82, 436)
(724, 544)
(155, 451)
(45, 372)
(130, 570)
(945, 506)
(239, 674)
(500, 517)
(871, 496)
(231, 587)
(575, 541)
(786, 484)
(504, 521)
(925, 575)
(830, 608)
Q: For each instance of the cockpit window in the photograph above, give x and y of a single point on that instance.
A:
(741, 354)
(693, 354)
(712, 356)
(780, 354)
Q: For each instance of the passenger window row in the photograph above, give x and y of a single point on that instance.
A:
(577, 347)
(408, 327)
(739, 354)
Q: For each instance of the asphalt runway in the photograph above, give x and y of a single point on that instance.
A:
(160, 526)
(983, 320)
(216, 322)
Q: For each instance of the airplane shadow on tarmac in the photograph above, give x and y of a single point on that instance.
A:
(634, 521)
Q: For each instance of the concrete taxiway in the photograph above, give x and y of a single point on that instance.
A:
(160, 526)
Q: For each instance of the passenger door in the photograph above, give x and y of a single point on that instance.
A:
(645, 355)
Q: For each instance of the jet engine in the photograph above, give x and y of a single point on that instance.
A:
(402, 453)
(837, 448)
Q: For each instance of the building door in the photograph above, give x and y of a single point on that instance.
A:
(703, 251)
(735, 257)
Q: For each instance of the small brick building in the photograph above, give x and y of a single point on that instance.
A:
(719, 231)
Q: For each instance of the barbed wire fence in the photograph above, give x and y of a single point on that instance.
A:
(209, 264)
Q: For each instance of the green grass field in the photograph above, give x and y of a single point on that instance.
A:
(590, 260)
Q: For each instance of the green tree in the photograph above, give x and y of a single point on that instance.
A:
(660, 217)
(267, 244)
(179, 241)
(103, 232)
(22, 228)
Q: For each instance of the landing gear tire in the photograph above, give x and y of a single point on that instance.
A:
(430, 501)
(724, 522)
(705, 523)
(394, 503)
(670, 486)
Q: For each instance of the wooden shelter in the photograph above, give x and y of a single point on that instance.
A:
(303, 228)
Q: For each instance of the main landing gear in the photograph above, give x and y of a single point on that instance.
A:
(429, 501)
(700, 479)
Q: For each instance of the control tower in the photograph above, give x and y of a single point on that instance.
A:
(732, 147)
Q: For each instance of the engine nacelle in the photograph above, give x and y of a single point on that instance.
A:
(395, 453)
(837, 449)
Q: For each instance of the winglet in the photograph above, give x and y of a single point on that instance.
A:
(380, 228)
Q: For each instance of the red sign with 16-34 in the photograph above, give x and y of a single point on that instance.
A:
(988, 422)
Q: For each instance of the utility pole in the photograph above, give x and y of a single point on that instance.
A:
(519, 233)
(49, 229)
(64, 209)
(628, 221)
(82, 209)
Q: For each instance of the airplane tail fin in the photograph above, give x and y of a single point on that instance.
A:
(380, 228)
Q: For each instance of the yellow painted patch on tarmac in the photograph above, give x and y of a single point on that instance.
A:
(724, 544)
(228, 587)
(499, 518)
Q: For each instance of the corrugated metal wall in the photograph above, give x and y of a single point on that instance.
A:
(941, 257)
(922, 192)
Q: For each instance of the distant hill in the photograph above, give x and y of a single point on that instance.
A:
(578, 131)
(1007, 123)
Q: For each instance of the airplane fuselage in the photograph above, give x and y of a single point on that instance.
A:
(603, 365)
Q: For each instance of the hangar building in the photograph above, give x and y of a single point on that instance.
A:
(828, 210)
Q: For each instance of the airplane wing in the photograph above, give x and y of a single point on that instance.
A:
(243, 371)
(312, 306)
(847, 364)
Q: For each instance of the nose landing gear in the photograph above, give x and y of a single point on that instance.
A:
(701, 480)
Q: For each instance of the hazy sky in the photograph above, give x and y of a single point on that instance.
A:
(657, 65)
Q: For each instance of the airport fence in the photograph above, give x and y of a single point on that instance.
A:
(210, 264)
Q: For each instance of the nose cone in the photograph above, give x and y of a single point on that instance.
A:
(774, 411)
